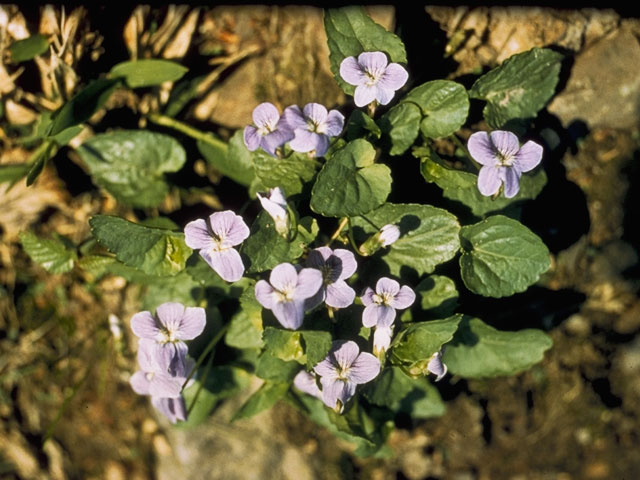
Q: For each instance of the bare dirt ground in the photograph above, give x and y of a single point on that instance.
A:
(66, 408)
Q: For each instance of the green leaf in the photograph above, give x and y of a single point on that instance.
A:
(415, 345)
(265, 248)
(463, 186)
(389, 388)
(520, 87)
(130, 164)
(428, 236)
(284, 344)
(275, 369)
(316, 346)
(289, 173)
(28, 48)
(179, 288)
(153, 251)
(438, 295)
(13, 173)
(233, 160)
(148, 72)
(66, 135)
(360, 125)
(350, 31)
(245, 328)
(40, 158)
(83, 105)
(220, 383)
(266, 397)
(350, 183)
(54, 255)
(444, 104)
(479, 350)
(400, 127)
(500, 257)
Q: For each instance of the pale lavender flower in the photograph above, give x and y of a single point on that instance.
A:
(381, 305)
(436, 366)
(172, 325)
(286, 292)
(306, 382)
(373, 76)
(152, 378)
(275, 204)
(389, 234)
(503, 160)
(312, 127)
(268, 132)
(172, 408)
(342, 371)
(382, 339)
(215, 238)
(336, 266)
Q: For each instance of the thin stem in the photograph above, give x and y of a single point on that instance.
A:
(370, 222)
(187, 130)
(206, 351)
(372, 108)
(461, 146)
(336, 234)
(207, 369)
(352, 241)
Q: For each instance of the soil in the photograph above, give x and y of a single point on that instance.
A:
(66, 408)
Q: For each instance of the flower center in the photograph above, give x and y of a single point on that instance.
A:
(505, 160)
(316, 127)
(168, 336)
(286, 294)
(372, 78)
(342, 372)
(327, 274)
(383, 298)
(267, 128)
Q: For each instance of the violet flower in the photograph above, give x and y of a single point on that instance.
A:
(373, 76)
(381, 305)
(436, 366)
(312, 127)
(382, 339)
(342, 371)
(173, 324)
(215, 238)
(152, 379)
(269, 132)
(503, 160)
(172, 408)
(336, 266)
(306, 382)
(286, 292)
(276, 206)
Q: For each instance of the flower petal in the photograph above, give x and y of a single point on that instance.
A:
(367, 297)
(528, 157)
(334, 123)
(306, 141)
(308, 284)
(264, 294)
(511, 182)
(364, 95)
(226, 263)
(373, 63)
(351, 71)
(404, 298)
(340, 295)
(197, 234)
(144, 325)
(344, 353)
(276, 210)
(489, 180)
(172, 408)
(275, 139)
(266, 114)
(163, 385)
(326, 368)
(318, 257)
(192, 323)
(348, 263)
(387, 286)
(482, 150)
(364, 369)
(384, 95)
(293, 118)
(394, 77)
(140, 383)
(170, 315)
(375, 315)
(289, 314)
(312, 302)
(148, 356)
(389, 234)
(382, 339)
(505, 142)
(315, 112)
(436, 366)
(306, 382)
(251, 138)
(334, 390)
(284, 277)
(229, 227)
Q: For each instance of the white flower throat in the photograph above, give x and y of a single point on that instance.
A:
(384, 298)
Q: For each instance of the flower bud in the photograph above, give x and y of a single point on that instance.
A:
(385, 237)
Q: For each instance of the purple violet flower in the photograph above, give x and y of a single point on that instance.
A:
(381, 305)
(215, 238)
(336, 266)
(286, 292)
(172, 325)
(436, 366)
(172, 408)
(269, 132)
(312, 127)
(306, 382)
(373, 76)
(275, 204)
(503, 160)
(152, 379)
(342, 371)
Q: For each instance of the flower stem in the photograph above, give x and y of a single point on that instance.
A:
(461, 146)
(336, 234)
(372, 108)
(352, 240)
(207, 369)
(370, 222)
(187, 130)
(206, 351)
